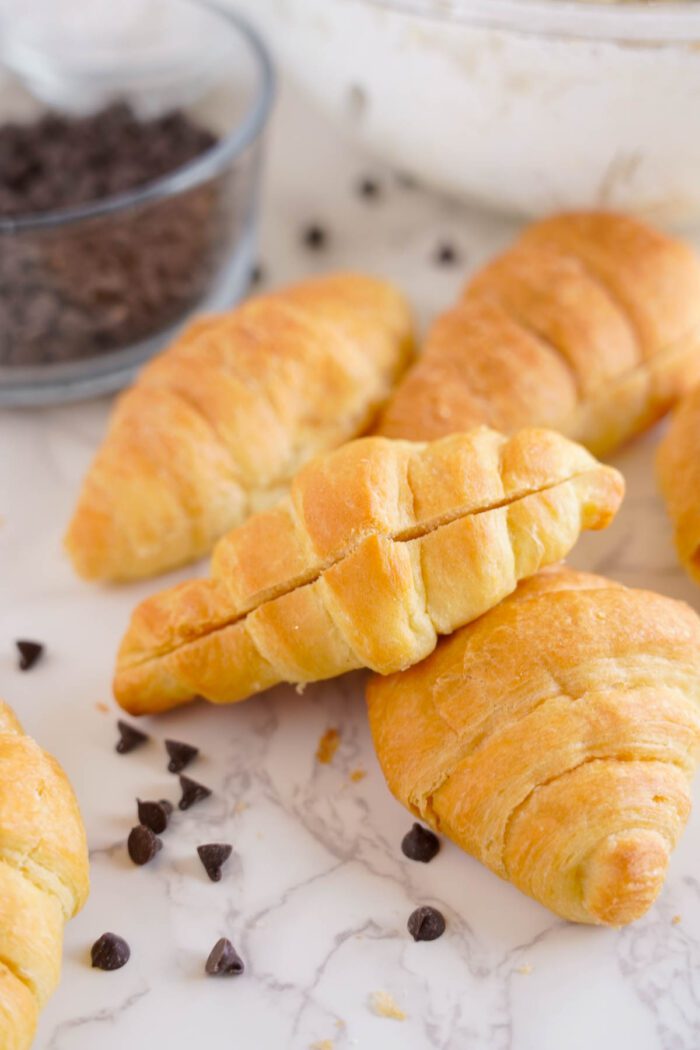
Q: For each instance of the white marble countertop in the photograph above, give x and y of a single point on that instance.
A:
(317, 894)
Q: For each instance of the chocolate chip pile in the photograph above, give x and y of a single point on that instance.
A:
(84, 288)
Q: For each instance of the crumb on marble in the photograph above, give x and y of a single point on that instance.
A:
(340, 1023)
(525, 969)
(322, 1044)
(327, 746)
(383, 1005)
(358, 774)
(675, 920)
(241, 807)
(102, 706)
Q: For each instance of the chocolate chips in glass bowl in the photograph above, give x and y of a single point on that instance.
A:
(83, 287)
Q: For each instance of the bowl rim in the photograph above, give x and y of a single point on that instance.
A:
(656, 22)
(211, 162)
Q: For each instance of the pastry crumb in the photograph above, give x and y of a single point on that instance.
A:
(383, 1005)
(525, 969)
(327, 746)
(102, 706)
(323, 1044)
(675, 920)
(340, 1023)
(300, 688)
(358, 774)
(240, 807)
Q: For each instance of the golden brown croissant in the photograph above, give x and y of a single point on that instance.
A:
(43, 878)
(555, 739)
(216, 425)
(380, 547)
(678, 471)
(589, 324)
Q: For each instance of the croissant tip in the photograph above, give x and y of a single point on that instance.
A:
(624, 875)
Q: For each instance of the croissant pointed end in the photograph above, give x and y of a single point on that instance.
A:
(623, 876)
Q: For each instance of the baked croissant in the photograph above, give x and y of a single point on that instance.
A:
(43, 878)
(589, 324)
(555, 740)
(678, 471)
(216, 426)
(380, 547)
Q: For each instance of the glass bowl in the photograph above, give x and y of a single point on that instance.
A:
(525, 106)
(88, 293)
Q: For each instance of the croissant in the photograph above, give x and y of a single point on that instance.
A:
(589, 324)
(678, 472)
(43, 878)
(216, 426)
(555, 740)
(380, 547)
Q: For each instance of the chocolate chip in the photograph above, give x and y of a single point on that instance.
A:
(192, 792)
(142, 844)
(315, 236)
(29, 653)
(130, 737)
(180, 755)
(224, 960)
(368, 188)
(426, 924)
(446, 254)
(213, 856)
(420, 844)
(154, 815)
(110, 952)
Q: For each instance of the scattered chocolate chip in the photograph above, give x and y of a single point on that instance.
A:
(213, 856)
(368, 188)
(29, 654)
(426, 924)
(420, 844)
(130, 737)
(446, 254)
(315, 236)
(110, 952)
(142, 844)
(180, 755)
(224, 960)
(154, 815)
(257, 274)
(192, 792)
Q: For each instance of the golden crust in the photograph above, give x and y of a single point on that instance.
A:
(380, 547)
(43, 877)
(554, 739)
(589, 324)
(216, 425)
(678, 472)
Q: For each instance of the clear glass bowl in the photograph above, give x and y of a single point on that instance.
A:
(97, 289)
(525, 106)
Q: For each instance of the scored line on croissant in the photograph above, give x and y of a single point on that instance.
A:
(380, 547)
(555, 740)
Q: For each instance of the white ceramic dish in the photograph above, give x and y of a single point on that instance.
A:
(524, 105)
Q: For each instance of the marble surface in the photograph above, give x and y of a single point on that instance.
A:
(317, 894)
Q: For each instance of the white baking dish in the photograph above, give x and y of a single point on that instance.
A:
(525, 105)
